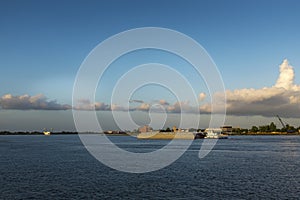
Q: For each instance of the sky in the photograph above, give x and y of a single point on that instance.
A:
(254, 44)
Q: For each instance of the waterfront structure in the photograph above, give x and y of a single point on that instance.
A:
(227, 129)
(145, 129)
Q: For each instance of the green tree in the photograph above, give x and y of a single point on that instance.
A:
(168, 129)
(262, 128)
(291, 128)
(236, 130)
(254, 129)
(272, 127)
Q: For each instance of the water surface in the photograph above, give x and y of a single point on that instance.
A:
(242, 167)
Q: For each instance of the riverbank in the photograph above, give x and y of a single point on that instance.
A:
(59, 133)
(265, 133)
(135, 134)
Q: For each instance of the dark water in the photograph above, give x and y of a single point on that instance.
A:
(59, 167)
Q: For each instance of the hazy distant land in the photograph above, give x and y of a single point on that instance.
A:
(270, 129)
(53, 133)
(134, 133)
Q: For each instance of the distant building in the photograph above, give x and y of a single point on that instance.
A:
(175, 129)
(226, 129)
(144, 129)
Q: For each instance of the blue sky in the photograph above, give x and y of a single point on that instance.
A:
(43, 43)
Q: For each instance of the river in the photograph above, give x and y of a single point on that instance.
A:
(241, 167)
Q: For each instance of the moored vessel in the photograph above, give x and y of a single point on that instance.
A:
(47, 133)
(169, 135)
(215, 133)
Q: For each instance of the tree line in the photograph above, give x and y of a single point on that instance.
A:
(267, 128)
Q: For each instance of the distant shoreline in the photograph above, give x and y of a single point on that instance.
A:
(128, 134)
(58, 133)
(264, 133)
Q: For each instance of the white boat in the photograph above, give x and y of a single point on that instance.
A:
(47, 132)
(215, 133)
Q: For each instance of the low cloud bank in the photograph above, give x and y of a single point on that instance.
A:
(26, 102)
(283, 98)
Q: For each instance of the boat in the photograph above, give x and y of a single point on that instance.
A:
(170, 135)
(199, 135)
(156, 135)
(215, 133)
(47, 133)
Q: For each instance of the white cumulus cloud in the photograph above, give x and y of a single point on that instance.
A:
(283, 98)
(182, 107)
(163, 102)
(85, 104)
(202, 96)
(143, 107)
(27, 102)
